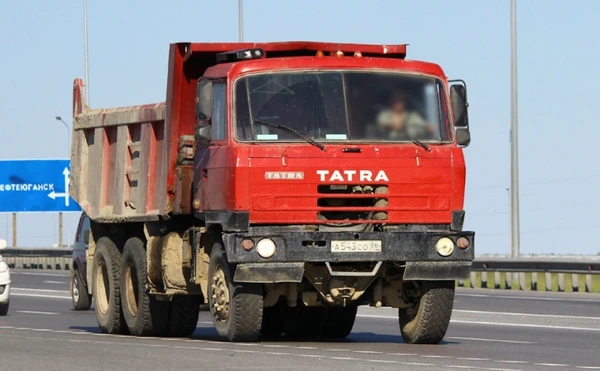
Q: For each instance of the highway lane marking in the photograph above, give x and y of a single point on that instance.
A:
(543, 298)
(492, 340)
(472, 359)
(41, 290)
(18, 273)
(526, 325)
(35, 312)
(524, 314)
(588, 367)
(552, 365)
(56, 282)
(39, 296)
(507, 361)
(495, 324)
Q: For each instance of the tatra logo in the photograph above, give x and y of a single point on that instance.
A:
(284, 175)
(352, 175)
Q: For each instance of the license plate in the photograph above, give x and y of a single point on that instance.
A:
(356, 246)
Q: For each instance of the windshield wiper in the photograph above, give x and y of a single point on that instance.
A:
(293, 131)
(421, 144)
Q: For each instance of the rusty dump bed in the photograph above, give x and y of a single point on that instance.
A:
(124, 161)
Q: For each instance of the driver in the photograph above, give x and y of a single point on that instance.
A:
(398, 123)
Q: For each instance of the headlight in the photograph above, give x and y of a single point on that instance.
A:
(265, 248)
(444, 246)
(3, 266)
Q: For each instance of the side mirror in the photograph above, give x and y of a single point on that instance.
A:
(463, 137)
(203, 132)
(458, 97)
(204, 99)
(86, 237)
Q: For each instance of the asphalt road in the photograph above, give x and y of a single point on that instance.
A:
(490, 330)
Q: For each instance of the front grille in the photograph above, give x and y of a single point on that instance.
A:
(352, 202)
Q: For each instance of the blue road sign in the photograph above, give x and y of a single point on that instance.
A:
(35, 186)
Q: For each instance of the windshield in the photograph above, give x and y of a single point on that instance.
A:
(340, 106)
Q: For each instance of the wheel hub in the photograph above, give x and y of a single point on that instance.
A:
(220, 295)
(75, 289)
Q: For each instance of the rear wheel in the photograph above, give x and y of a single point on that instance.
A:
(236, 308)
(79, 295)
(427, 322)
(272, 325)
(106, 287)
(4, 308)
(303, 321)
(143, 314)
(340, 321)
(183, 316)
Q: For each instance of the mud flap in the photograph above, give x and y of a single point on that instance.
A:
(269, 272)
(437, 271)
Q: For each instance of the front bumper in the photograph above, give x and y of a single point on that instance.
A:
(415, 250)
(4, 287)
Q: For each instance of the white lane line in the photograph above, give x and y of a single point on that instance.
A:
(205, 322)
(56, 282)
(434, 356)
(588, 367)
(39, 296)
(34, 312)
(552, 365)
(307, 348)
(530, 298)
(492, 340)
(40, 290)
(472, 359)
(337, 350)
(403, 354)
(367, 352)
(496, 324)
(527, 325)
(524, 314)
(459, 366)
(18, 273)
(513, 362)
(275, 346)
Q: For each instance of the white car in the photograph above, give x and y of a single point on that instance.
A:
(4, 287)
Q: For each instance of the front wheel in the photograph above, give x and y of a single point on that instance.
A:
(79, 295)
(427, 322)
(236, 308)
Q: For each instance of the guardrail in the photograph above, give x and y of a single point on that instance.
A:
(32, 258)
(537, 273)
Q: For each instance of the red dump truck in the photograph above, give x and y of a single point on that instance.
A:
(284, 184)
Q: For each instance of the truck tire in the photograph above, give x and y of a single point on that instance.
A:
(183, 315)
(79, 295)
(303, 321)
(144, 315)
(236, 308)
(4, 308)
(428, 321)
(272, 325)
(340, 321)
(106, 288)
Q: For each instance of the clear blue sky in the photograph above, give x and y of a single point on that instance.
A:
(558, 51)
